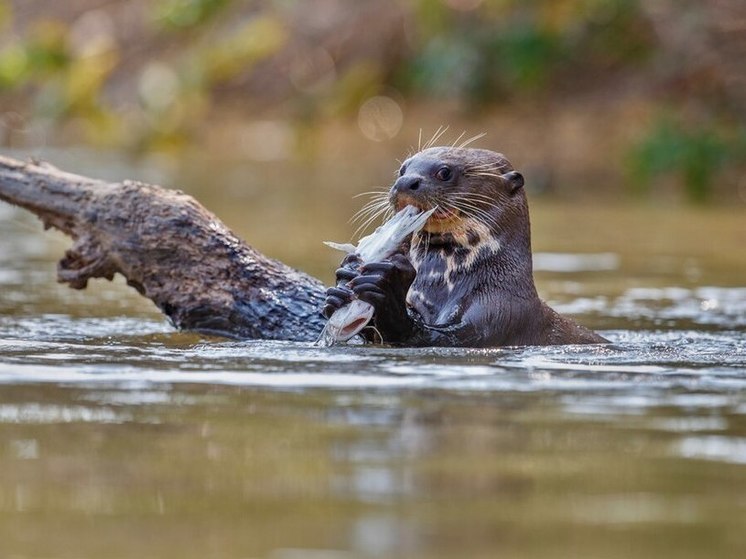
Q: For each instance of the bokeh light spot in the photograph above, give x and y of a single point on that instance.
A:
(380, 118)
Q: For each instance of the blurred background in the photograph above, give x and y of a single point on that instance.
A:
(594, 98)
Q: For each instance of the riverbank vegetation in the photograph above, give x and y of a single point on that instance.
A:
(644, 98)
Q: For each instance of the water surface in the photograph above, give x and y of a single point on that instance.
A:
(122, 438)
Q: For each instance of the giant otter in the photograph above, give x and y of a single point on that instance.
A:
(466, 279)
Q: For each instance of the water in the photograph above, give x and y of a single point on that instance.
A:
(122, 438)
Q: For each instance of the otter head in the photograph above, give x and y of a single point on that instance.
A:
(476, 192)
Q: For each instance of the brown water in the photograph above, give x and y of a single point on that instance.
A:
(121, 438)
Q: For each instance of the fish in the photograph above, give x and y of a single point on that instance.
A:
(349, 320)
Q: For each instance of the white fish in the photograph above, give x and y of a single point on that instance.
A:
(382, 243)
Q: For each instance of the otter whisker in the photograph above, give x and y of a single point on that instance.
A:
(470, 212)
(465, 202)
(438, 134)
(483, 204)
(471, 140)
(375, 196)
(380, 197)
(372, 204)
(491, 166)
(432, 140)
(382, 209)
(485, 174)
(456, 210)
(363, 226)
(480, 217)
(474, 205)
(373, 193)
(365, 222)
(475, 170)
(368, 208)
(365, 212)
(457, 140)
(369, 211)
(473, 211)
(477, 196)
(486, 164)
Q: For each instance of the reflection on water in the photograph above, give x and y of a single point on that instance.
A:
(122, 438)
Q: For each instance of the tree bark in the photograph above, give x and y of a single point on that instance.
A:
(169, 248)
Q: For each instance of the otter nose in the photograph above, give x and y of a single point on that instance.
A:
(407, 182)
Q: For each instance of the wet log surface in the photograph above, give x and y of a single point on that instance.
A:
(169, 248)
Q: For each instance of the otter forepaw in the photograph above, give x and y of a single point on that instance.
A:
(384, 282)
(336, 298)
(344, 275)
(352, 260)
(368, 289)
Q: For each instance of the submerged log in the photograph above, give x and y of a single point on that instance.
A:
(169, 248)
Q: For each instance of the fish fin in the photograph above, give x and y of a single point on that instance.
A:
(344, 247)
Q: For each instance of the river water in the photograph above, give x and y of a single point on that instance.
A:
(120, 437)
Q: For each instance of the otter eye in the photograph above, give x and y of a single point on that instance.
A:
(444, 174)
(401, 170)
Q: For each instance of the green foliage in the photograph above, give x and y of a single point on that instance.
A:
(39, 56)
(499, 49)
(47, 49)
(445, 68)
(185, 14)
(13, 66)
(693, 154)
(525, 55)
(199, 54)
(512, 47)
(615, 34)
(252, 42)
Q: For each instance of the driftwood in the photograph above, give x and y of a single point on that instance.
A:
(169, 248)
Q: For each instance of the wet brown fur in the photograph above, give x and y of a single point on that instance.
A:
(474, 281)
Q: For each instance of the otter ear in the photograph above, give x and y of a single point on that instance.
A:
(515, 179)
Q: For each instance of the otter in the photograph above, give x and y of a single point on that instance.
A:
(466, 279)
